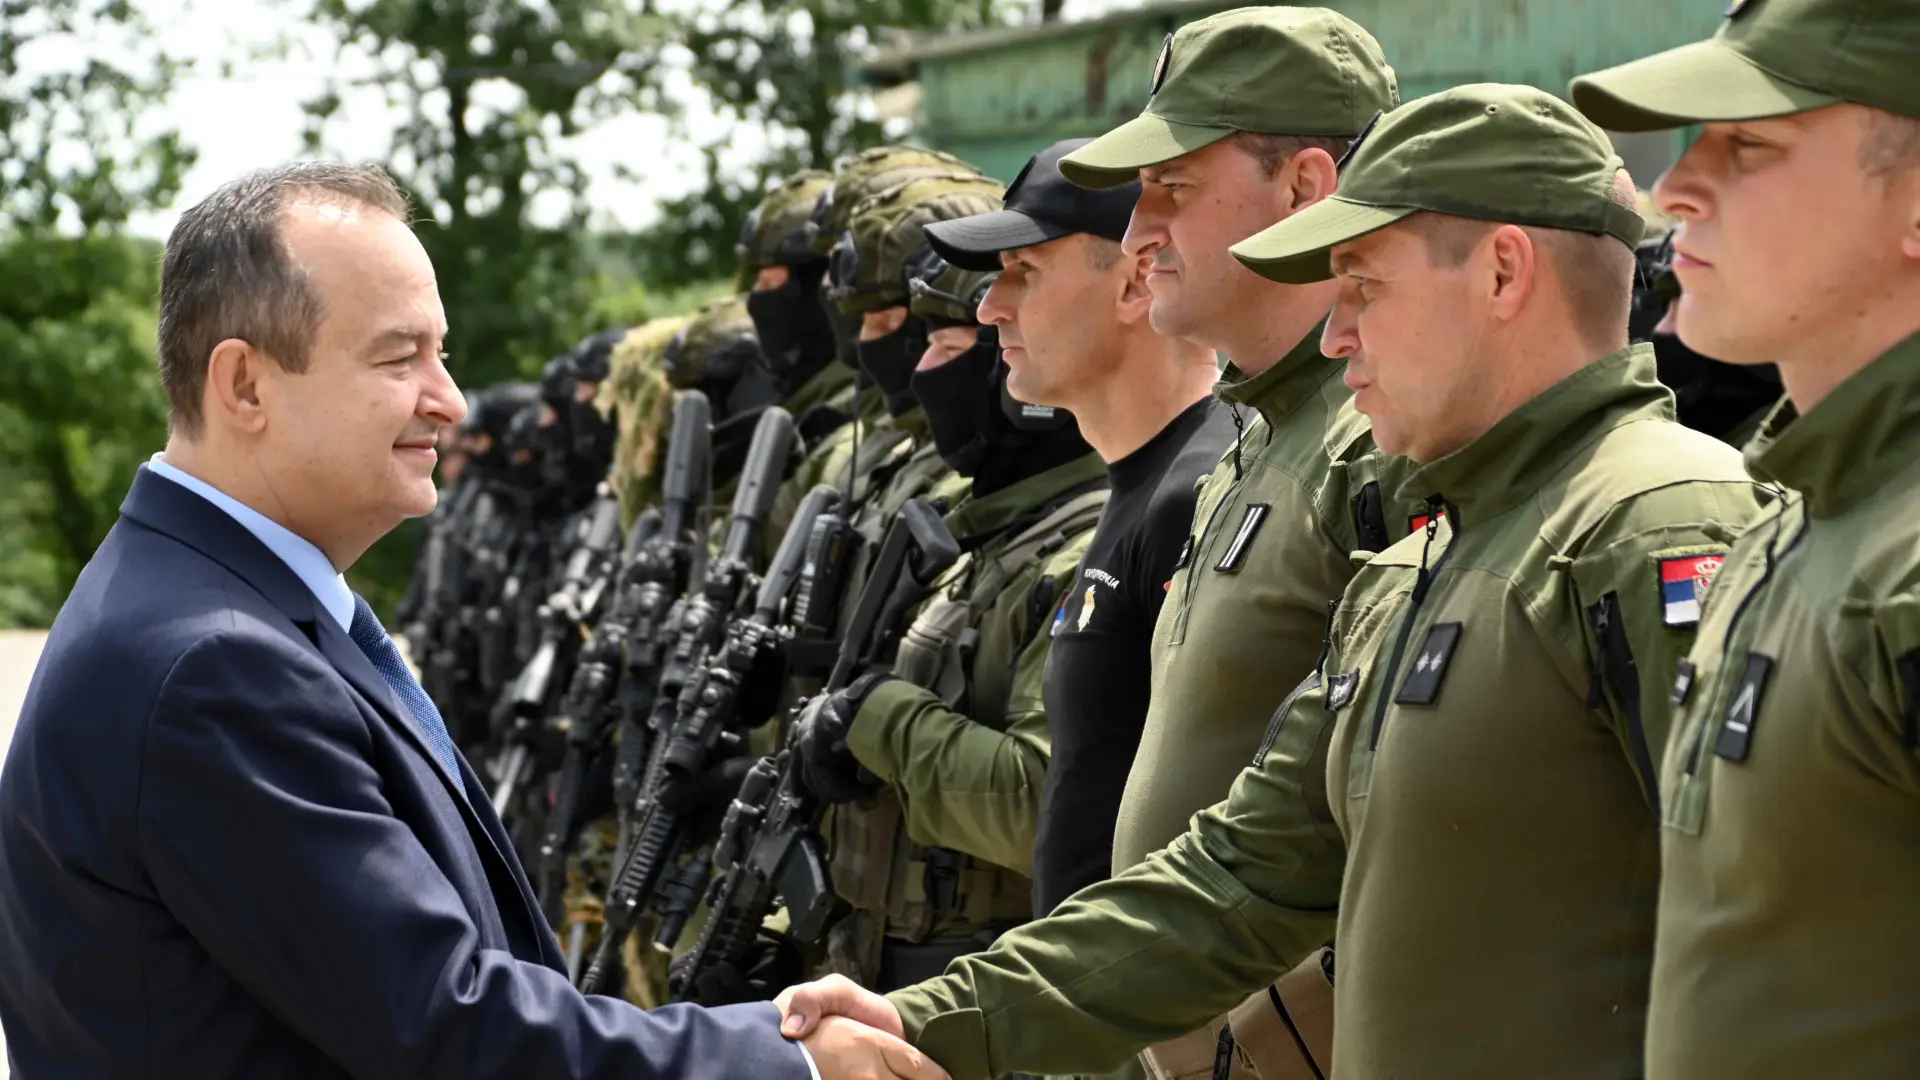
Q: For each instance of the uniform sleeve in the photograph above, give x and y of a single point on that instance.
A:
(1639, 590)
(1162, 949)
(268, 834)
(963, 784)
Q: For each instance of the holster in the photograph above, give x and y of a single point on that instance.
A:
(1283, 1032)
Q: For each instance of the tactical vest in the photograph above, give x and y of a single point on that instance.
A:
(912, 892)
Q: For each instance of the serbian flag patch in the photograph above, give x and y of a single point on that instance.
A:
(1683, 586)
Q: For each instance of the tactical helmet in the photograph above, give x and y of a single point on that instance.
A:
(944, 294)
(775, 233)
(886, 234)
(860, 175)
(716, 346)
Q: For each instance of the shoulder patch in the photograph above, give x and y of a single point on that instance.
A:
(1684, 583)
(1422, 686)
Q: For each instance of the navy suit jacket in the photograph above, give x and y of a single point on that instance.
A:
(226, 851)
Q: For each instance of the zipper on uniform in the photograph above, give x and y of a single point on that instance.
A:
(1767, 568)
(1436, 506)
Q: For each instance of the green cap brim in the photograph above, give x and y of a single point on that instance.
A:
(1120, 154)
(1294, 252)
(1701, 83)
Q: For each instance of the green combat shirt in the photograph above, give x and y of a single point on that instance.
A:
(1789, 942)
(1491, 853)
(1272, 540)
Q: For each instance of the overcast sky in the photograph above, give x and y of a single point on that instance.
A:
(241, 110)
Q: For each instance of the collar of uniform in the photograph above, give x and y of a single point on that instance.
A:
(1864, 431)
(1527, 447)
(821, 387)
(990, 514)
(1278, 390)
(914, 423)
(869, 403)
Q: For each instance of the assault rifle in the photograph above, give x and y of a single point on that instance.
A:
(622, 648)
(683, 742)
(769, 850)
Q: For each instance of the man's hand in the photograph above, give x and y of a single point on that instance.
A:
(804, 1006)
(843, 1049)
(826, 764)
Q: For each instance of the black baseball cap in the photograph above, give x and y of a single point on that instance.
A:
(1041, 205)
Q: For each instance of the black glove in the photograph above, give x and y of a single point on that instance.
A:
(828, 767)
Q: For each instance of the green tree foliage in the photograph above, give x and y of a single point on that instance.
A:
(790, 67)
(80, 405)
(486, 90)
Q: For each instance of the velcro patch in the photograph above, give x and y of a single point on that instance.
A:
(1743, 712)
(1250, 522)
(1684, 582)
(1422, 686)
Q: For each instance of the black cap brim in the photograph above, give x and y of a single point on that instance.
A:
(975, 243)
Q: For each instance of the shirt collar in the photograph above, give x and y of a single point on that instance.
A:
(307, 562)
(1847, 446)
(1281, 388)
(1519, 454)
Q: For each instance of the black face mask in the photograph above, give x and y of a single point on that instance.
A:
(889, 363)
(983, 431)
(792, 324)
(593, 435)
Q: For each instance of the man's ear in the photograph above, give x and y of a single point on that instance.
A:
(234, 372)
(1308, 177)
(1135, 300)
(1910, 231)
(1508, 264)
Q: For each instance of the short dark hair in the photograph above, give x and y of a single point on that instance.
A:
(227, 273)
(1274, 151)
(1892, 145)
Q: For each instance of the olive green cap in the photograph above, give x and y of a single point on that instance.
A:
(887, 233)
(858, 176)
(1769, 58)
(718, 341)
(944, 294)
(1269, 70)
(775, 233)
(1511, 154)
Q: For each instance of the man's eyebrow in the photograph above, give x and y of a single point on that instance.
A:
(395, 336)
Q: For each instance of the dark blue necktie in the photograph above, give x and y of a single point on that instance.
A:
(372, 638)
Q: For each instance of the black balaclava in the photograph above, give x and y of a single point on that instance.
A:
(889, 362)
(791, 322)
(979, 428)
(1710, 396)
(491, 414)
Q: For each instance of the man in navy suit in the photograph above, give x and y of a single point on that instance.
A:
(235, 838)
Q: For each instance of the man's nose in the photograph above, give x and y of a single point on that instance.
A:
(1147, 228)
(995, 308)
(441, 400)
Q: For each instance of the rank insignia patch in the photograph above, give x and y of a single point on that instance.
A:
(1683, 586)
(1429, 666)
(1236, 555)
(1340, 690)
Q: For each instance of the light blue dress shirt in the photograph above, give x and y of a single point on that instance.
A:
(307, 562)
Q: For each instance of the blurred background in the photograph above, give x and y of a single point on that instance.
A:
(577, 164)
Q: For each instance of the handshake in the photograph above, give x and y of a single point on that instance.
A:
(852, 1033)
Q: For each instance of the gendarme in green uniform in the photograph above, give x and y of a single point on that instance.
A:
(1789, 944)
(1459, 779)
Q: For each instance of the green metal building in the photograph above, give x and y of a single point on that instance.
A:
(996, 97)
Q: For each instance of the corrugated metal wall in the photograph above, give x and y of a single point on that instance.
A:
(996, 100)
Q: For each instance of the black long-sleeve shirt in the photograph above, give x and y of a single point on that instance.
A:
(1097, 678)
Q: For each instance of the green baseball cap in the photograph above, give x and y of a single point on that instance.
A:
(1769, 58)
(1270, 70)
(1511, 154)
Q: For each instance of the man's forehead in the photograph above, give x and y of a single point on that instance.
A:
(1365, 254)
(1038, 254)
